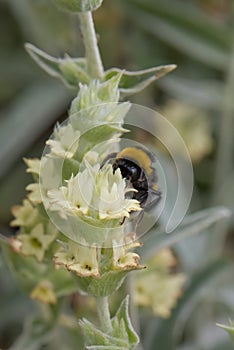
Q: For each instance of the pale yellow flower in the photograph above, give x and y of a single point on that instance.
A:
(111, 189)
(65, 142)
(44, 292)
(159, 292)
(37, 241)
(75, 198)
(34, 193)
(156, 287)
(25, 215)
(123, 259)
(33, 165)
(194, 127)
(81, 259)
(94, 192)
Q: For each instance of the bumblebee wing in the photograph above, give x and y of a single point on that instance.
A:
(154, 196)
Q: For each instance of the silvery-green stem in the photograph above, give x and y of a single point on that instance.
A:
(95, 67)
(104, 314)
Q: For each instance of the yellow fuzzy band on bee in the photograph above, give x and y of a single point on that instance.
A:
(138, 155)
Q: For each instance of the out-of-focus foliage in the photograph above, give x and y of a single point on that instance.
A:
(24, 118)
(196, 35)
(156, 287)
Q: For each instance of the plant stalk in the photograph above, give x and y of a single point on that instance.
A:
(94, 61)
(104, 314)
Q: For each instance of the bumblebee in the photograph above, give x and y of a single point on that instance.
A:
(135, 164)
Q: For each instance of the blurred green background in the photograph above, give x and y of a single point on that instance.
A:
(197, 98)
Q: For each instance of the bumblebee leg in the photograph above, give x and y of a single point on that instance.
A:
(138, 220)
(121, 223)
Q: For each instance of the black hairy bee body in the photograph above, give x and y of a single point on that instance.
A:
(135, 164)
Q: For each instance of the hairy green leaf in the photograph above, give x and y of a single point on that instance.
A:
(134, 82)
(122, 321)
(71, 71)
(122, 336)
(96, 337)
